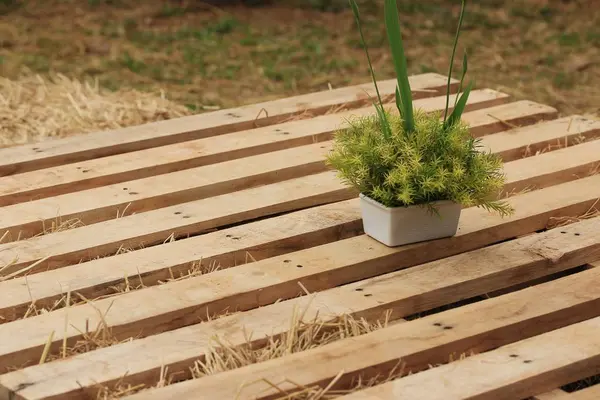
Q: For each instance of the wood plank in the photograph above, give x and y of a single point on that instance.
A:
(556, 394)
(590, 393)
(406, 292)
(18, 254)
(95, 278)
(542, 362)
(229, 247)
(566, 131)
(165, 310)
(477, 327)
(560, 165)
(153, 227)
(101, 144)
(176, 157)
(24, 290)
(25, 220)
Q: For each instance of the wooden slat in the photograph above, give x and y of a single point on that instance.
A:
(514, 371)
(309, 368)
(132, 313)
(556, 394)
(22, 291)
(418, 344)
(590, 393)
(565, 132)
(105, 238)
(560, 165)
(406, 292)
(94, 205)
(56, 152)
(180, 156)
(107, 272)
(261, 239)
(155, 226)
(538, 281)
(28, 219)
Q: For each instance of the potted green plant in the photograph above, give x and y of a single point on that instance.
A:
(415, 171)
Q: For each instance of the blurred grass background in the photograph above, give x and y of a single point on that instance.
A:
(219, 55)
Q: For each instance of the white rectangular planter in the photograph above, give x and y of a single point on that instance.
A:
(404, 225)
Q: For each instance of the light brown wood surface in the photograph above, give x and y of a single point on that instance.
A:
(555, 166)
(591, 393)
(110, 271)
(248, 190)
(176, 157)
(426, 341)
(135, 313)
(541, 362)
(157, 225)
(24, 220)
(406, 292)
(101, 144)
(154, 227)
(227, 248)
(556, 394)
(551, 135)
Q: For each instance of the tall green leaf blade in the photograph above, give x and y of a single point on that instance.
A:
(462, 78)
(399, 102)
(385, 126)
(356, 13)
(460, 20)
(392, 24)
(459, 108)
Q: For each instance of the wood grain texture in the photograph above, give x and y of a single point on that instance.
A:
(176, 157)
(514, 371)
(556, 394)
(288, 227)
(169, 310)
(155, 227)
(27, 219)
(405, 292)
(562, 132)
(227, 248)
(427, 341)
(554, 170)
(101, 144)
(555, 166)
(590, 393)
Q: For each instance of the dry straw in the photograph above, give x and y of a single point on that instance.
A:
(301, 336)
(592, 212)
(33, 108)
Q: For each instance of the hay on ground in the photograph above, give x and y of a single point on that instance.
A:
(33, 109)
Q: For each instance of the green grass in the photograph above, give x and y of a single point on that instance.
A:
(569, 39)
(233, 56)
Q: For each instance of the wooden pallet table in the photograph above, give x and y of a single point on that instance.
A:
(128, 257)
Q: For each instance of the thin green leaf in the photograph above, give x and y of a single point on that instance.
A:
(356, 13)
(462, 78)
(385, 126)
(399, 102)
(460, 20)
(392, 25)
(459, 108)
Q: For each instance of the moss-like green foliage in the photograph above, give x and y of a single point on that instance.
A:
(430, 164)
